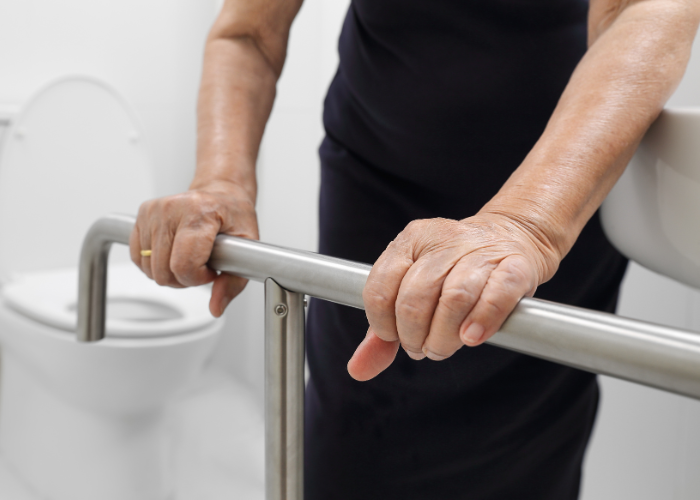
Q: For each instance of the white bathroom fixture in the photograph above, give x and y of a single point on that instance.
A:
(652, 215)
(77, 421)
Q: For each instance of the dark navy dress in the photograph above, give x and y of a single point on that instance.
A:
(435, 104)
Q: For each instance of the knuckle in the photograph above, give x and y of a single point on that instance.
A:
(161, 279)
(200, 202)
(413, 350)
(181, 268)
(196, 197)
(410, 309)
(456, 299)
(376, 299)
(169, 203)
(511, 275)
(416, 226)
(438, 354)
(493, 306)
(517, 270)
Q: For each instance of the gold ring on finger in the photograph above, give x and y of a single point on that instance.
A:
(146, 253)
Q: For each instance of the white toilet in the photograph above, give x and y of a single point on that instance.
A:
(85, 421)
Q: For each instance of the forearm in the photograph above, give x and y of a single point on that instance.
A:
(636, 59)
(235, 99)
(243, 58)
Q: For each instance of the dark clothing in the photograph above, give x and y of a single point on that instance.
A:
(435, 104)
(451, 95)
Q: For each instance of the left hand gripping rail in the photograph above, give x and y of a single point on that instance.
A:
(317, 275)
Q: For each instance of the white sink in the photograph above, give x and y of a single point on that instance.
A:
(652, 215)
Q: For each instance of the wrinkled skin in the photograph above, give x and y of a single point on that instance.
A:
(442, 284)
(181, 229)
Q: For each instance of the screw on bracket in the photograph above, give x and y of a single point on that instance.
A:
(281, 310)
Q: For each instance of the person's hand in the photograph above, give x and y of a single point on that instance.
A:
(442, 284)
(180, 231)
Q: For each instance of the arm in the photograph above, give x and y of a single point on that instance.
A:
(637, 56)
(243, 58)
(444, 284)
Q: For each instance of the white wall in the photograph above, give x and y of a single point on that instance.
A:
(150, 51)
(646, 443)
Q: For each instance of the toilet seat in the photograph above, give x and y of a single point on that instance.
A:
(137, 307)
(84, 420)
(77, 148)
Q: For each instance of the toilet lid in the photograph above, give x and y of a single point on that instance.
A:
(136, 306)
(74, 153)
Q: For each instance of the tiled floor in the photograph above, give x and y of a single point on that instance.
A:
(218, 441)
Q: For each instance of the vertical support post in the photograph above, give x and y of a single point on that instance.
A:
(284, 393)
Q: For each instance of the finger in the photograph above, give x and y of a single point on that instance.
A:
(460, 292)
(135, 245)
(145, 244)
(372, 357)
(226, 288)
(162, 241)
(191, 249)
(417, 299)
(379, 294)
(508, 283)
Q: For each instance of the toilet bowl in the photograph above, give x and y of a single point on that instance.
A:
(85, 421)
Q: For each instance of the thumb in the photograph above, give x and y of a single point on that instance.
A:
(225, 288)
(372, 357)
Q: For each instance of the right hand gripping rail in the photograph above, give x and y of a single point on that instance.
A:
(657, 356)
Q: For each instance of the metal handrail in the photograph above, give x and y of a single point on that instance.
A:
(654, 355)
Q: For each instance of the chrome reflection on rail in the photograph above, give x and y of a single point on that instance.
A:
(657, 356)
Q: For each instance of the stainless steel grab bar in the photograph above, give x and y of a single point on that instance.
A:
(654, 355)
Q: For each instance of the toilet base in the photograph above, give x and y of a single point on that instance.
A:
(47, 442)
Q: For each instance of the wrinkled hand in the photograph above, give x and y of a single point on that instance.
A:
(181, 229)
(442, 284)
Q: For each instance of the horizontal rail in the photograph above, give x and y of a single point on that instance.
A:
(657, 356)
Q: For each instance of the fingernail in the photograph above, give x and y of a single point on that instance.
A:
(473, 334)
(433, 356)
(414, 355)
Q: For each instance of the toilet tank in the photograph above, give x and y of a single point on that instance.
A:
(70, 154)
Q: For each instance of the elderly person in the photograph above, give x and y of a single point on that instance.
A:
(469, 144)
